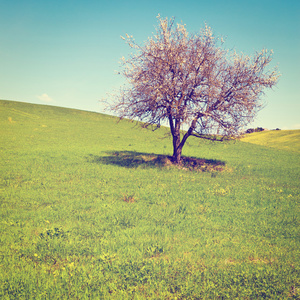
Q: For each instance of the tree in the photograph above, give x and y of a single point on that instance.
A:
(192, 83)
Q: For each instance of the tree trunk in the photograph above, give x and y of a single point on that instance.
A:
(177, 155)
(175, 130)
(177, 149)
(177, 144)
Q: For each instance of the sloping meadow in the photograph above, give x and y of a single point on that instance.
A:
(282, 139)
(92, 208)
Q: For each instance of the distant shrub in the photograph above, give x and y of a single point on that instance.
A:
(257, 129)
(250, 130)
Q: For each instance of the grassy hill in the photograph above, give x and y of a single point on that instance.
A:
(279, 139)
(90, 209)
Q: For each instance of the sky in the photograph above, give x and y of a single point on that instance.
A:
(66, 53)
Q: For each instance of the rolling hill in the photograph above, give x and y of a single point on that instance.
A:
(91, 209)
(279, 139)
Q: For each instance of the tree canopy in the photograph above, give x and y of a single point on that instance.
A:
(192, 83)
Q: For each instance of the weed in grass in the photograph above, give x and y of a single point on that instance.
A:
(128, 198)
(154, 250)
(52, 233)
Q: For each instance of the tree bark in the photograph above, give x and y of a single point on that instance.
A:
(177, 149)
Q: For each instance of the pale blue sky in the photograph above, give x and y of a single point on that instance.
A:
(64, 53)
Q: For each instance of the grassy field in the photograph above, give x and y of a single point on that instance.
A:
(283, 139)
(91, 209)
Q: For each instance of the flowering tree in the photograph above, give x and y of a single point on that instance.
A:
(192, 83)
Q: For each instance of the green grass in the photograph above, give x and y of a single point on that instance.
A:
(91, 209)
(279, 139)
